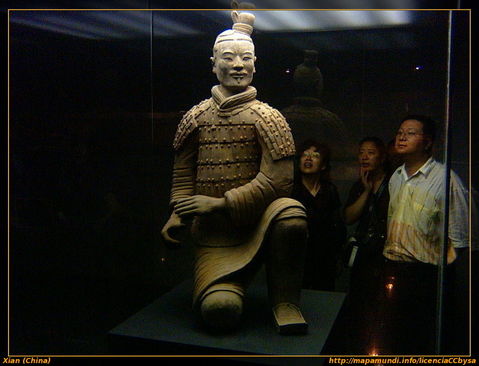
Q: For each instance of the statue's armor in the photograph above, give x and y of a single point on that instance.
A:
(229, 152)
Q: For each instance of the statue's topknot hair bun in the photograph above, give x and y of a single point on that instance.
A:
(243, 22)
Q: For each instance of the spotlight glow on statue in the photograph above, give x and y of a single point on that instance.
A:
(232, 177)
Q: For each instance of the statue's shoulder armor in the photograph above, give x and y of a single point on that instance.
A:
(189, 123)
(274, 130)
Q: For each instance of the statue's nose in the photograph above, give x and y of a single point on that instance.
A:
(238, 64)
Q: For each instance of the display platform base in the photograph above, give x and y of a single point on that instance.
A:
(168, 327)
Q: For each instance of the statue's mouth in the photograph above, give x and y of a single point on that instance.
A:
(238, 76)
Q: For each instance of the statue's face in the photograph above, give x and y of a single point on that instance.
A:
(233, 65)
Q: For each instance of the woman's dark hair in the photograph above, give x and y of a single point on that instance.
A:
(381, 146)
(325, 152)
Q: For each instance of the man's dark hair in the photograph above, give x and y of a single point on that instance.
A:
(428, 125)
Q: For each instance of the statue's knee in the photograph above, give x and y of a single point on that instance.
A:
(221, 310)
(295, 226)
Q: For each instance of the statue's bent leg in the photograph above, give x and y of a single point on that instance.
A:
(221, 308)
(220, 298)
(285, 263)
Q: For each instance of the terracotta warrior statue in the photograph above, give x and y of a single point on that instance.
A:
(232, 176)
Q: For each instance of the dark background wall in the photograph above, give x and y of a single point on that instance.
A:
(91, 125)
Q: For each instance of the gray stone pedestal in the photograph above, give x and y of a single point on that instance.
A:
(168, 327)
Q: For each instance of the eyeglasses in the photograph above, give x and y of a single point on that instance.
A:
(407, 134)
(311, 154)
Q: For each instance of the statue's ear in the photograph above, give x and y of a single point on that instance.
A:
(213, 64)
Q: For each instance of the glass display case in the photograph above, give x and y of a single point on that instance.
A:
(95, 99)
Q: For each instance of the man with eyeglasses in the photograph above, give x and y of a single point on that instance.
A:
(414, 239)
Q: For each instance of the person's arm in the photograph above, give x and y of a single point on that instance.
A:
(183, 186)
(353, 212)
(184, 171)
(458, 219)
(338, 222)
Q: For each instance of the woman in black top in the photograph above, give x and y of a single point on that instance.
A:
(327, 231)
(368, 198)
(367, 205)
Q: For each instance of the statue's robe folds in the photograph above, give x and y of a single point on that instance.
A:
(241, 149)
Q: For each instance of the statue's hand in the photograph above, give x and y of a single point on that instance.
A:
(173, 230)
(198, 205)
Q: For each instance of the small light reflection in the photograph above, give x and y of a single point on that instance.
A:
(288, 71)
(163, 259)
(419, 68)
(390, 282)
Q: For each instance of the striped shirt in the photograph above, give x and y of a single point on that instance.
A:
(415, 214)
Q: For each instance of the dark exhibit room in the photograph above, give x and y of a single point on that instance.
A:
(95, 98)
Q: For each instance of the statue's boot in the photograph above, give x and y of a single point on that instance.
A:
(285, 265)
(288, 319)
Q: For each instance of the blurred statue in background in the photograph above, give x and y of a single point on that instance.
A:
(307, 116)
(309, 119)
(232, 176)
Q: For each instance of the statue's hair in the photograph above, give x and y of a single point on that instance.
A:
(241, 30)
